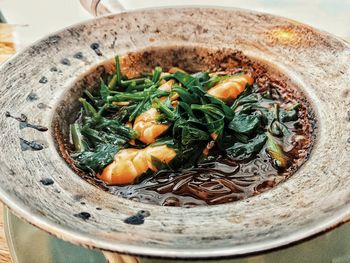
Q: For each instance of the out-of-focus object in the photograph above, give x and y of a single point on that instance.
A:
(7, 46)
(331, 16)
(102, 7)
(4, 250)
(2, 18)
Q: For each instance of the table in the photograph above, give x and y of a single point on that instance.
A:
(4, 251)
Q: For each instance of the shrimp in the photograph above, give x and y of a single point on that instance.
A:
(167, 87)
(175, 69)
(229, 89)
(147, 127)
(130, 163)
(146, 123)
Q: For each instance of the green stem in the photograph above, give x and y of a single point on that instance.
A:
(117, 78)
(277, 111)
(156, 103)
(126, 83)
(137, 110)
(139, 87)
(156, 74)
(89, 109)
(89, 95)
(125, 96)
(77, 137)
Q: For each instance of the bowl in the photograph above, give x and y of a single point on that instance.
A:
(39, 84)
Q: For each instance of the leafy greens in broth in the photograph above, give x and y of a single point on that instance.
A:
(186, 139)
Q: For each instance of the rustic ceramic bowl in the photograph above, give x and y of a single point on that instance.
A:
(38, 185)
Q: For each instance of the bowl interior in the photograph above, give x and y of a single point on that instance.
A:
(190, 58)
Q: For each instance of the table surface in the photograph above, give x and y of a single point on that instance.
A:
(327, 15)
(4, 251)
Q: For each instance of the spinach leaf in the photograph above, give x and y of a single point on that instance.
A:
(188, 155)
(245, 124)
(116, 127)
(245, 99)
(187, 133)
(290, 114)
(241, 151)
(192, 134)
(96, 160)
(201, 76)
(185, 109)
(210, 109)
(229, 113)
(287, 116)
(96, 137)
(187, 80)
(216, 128)
(185, 96)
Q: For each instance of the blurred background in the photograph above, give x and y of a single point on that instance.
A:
(36, 18)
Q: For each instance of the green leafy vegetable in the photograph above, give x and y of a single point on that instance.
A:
(96, 160)
(187, 80)
(243, 150)
(156, 74)
(253, 123)
(202, 77)
(245, 124)
(79, 144)
(185, 95)
(117, 78)
(89, 109)
(275, 151)
(104, 91)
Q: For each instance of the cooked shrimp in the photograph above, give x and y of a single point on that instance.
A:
(167, 87)
(208, 147)
(175, 69)
(214, 135)
(129, 164)
(229, 89)
(147, 127)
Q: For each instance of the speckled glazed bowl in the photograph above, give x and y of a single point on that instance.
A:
(38, 185)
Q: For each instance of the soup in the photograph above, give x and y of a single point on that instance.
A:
(175, 137)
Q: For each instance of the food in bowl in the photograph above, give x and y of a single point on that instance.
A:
(178, 138)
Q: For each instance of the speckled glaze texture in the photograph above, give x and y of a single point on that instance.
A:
(39, 186)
